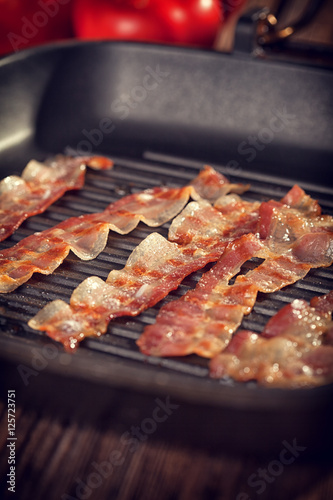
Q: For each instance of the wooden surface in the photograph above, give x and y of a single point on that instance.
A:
(67, 458)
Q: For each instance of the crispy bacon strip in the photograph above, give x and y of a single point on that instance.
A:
(201, 321)
(87, 235)
(295, 348)
(40, 185)
(293, 240)
(199, 235)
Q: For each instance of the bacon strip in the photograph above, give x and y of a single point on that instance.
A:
(199, 235)
(293, 240)
(40, 185)
(294, 350)
(87, 235)
(201, 321)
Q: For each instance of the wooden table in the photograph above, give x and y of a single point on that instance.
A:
(110, 455)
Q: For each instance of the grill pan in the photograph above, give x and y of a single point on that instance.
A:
(160, 113)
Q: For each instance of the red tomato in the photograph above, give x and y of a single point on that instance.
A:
(116, 19)
(24, 23)
(171, 21)
(192, 22)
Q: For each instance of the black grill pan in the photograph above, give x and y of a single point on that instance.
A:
(264, 123)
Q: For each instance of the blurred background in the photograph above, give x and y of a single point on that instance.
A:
(197, 23)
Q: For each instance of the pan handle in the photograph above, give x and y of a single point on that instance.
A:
(269, 31)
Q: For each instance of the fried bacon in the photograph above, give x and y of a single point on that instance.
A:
(295, 348)
(40, 185)
(292, 240)
(87, 235)
(198, 235)
(291, 236)
(201, 321)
